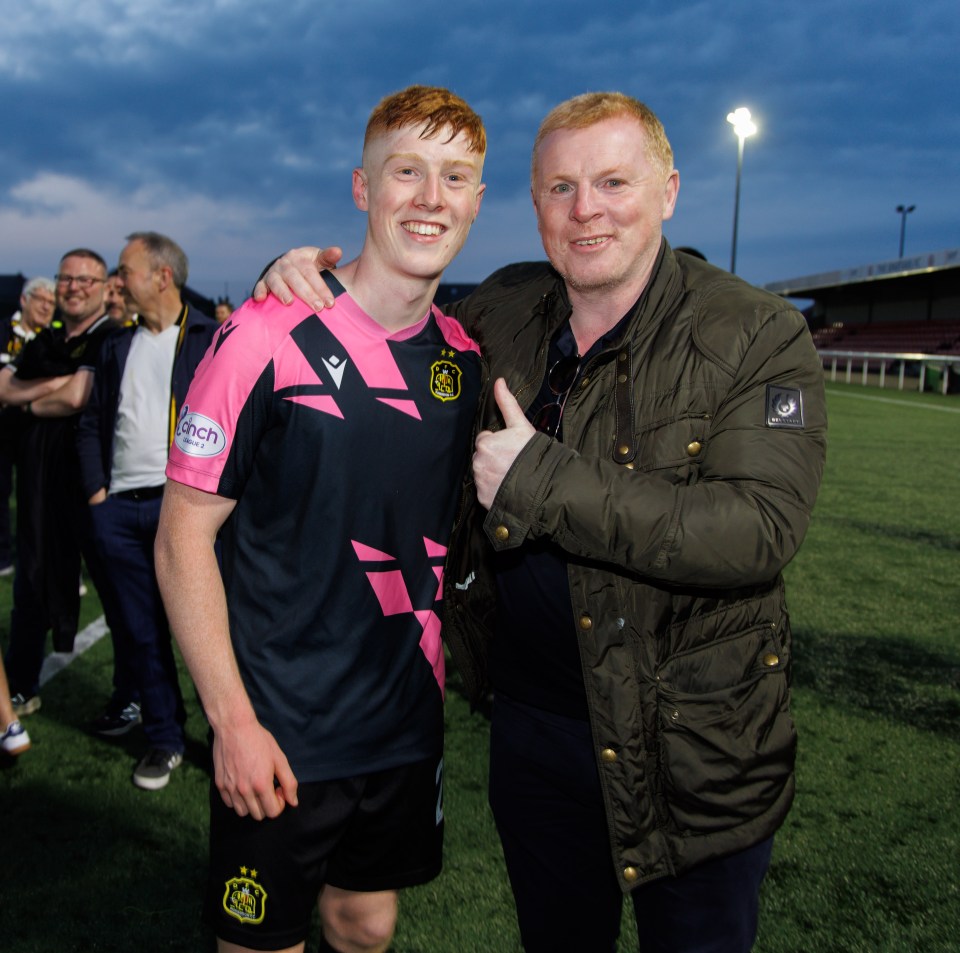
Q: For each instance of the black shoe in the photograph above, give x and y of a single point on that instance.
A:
(113, 723)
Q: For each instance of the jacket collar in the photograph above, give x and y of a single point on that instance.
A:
(554, 307)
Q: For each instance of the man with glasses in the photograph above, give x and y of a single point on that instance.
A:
(37, 304)
(649, 464)
(51, 381)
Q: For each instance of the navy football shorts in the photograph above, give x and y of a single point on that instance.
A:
(381, 831)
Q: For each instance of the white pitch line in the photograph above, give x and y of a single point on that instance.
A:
(890, 400)
(57, 661)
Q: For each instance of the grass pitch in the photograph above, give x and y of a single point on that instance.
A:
(867, 862)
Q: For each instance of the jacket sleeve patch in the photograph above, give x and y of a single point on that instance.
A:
(784, 407)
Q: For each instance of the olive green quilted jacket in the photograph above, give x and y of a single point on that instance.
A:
(691, 459)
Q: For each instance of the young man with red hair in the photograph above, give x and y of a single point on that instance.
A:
(327, 450)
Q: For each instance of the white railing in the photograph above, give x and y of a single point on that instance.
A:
(879, 360)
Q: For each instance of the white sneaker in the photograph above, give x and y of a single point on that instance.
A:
(15, 739)
(153, 772)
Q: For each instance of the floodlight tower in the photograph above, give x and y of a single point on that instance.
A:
(904, 211)
(743, 126)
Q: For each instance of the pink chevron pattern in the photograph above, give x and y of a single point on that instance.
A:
(404, 406)
(394, 598)
(290, 364)
(322, 402)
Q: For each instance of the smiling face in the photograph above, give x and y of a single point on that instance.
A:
(421, 196)
(36, 308)
(139, 279)
(80, 289)
(114, 300)
(601, 201)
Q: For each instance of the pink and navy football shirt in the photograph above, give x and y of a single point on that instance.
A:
(343, 446)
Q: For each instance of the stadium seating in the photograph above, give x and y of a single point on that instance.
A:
(926, 337)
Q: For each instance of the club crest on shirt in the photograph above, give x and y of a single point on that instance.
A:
(445, 377)
(244, 898)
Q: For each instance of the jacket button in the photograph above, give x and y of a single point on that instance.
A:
(608, 755)
(623, 450)
(502, 533)
(771, 660)
(693, 448)
(630, 874)
(586, 623)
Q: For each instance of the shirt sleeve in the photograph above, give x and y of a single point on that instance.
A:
(230, 401)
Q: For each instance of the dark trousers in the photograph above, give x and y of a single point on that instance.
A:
(124, 532)
(29, 624)
(6, 489)
(547, 804)
(30, 621)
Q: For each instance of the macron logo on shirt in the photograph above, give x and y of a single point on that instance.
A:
(199, 436)
(335, 367)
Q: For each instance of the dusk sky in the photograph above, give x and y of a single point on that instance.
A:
(233, 125)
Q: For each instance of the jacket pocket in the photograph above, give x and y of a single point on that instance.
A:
(676, 442)
(726, 737)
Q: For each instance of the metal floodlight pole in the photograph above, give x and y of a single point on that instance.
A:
(904, 211)
(736, 207)
(743, 126)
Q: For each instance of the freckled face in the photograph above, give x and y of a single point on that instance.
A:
(421, 196)
(601, 203)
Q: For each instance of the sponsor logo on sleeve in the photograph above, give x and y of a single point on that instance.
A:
(784, 407)
(199, 436)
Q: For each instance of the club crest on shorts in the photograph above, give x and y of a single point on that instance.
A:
(445, 377)
(244, 898)
(784, 407)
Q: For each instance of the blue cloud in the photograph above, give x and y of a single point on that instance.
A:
(236, 126)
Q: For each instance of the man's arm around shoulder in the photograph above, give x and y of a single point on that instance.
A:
(246, 757)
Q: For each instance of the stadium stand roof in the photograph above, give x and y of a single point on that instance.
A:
(932, 278)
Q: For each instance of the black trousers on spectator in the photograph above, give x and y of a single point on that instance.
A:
(6, 489)
(547, 804)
